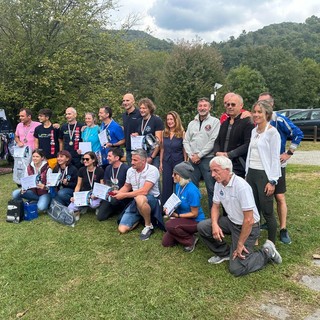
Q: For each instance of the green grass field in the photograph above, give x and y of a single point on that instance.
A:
(50, 271)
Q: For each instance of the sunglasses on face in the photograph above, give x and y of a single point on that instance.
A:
(86, 159)
(232, 104)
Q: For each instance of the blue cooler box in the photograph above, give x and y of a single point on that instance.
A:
(30, 211)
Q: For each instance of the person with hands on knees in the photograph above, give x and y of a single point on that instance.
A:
(241, 222)
(182, 225)
(87, 176)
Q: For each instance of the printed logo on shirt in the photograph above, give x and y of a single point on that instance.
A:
(221, 193)
(208, 127)
(44, 135)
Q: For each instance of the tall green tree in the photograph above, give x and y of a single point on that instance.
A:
(247, 82)
(190, 72)
(144, 72)
(57, 53)
(310, 84)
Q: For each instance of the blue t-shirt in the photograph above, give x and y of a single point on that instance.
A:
(190, 196)
(115, 134)
(91, 135)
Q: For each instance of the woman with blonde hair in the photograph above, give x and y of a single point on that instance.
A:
(263, 163)
(171, 151)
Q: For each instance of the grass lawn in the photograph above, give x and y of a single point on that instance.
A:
(50, 271)
(307, 145)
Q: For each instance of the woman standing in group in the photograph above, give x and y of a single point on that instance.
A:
(89, 132)
(68, 179)
(171, 152)
(183, 222)
(87, 176)
(263, 164)
(39, 167)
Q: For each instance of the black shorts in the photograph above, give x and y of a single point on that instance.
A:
(281, 186)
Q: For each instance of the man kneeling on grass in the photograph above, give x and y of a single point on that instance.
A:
(241, 222)
(141, 185)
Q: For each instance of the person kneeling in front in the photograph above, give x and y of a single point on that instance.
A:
(182, 224)
(241, 222)
(142, 185)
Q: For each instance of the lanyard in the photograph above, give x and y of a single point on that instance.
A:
(26, 131)
(114, 178)
(71, 133)
(180, 191)
(92, 177)
(106, 126)
(143, 127)
(139, 176)
(65, 172)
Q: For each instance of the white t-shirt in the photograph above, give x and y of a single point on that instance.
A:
(137, 179)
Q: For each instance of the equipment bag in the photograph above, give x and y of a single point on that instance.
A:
(30, 211)
(15, 211)
(61, 213)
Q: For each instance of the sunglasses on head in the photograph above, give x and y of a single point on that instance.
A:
(86, 159)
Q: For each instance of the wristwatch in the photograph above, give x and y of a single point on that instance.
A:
(289, 152)
(272, 182)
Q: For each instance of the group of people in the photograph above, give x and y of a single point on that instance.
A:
(241, 158)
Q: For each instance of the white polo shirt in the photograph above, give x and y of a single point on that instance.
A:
(236, 197)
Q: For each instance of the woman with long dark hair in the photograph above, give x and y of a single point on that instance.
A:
(87, 176)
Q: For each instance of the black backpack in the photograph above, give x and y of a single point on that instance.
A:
(15, 211)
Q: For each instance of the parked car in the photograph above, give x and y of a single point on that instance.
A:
(306, 120)
(289, 112)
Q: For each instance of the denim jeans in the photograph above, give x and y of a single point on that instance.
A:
(63, 196)
(43, 201)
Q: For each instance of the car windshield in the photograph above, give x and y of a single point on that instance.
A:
(315, 115)
(300, 115)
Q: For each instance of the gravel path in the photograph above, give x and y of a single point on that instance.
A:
(306, 157)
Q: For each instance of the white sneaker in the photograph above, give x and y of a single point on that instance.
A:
(146, 233)
(217, 259)
(272, 252)
(76, 216)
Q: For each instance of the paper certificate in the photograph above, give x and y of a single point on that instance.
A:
(85, 147)
(29, 182)
(18, 152)
(82, 198)
(100, 190)
(53, 179)
(171, 204)
(103, 138)
(136, 142)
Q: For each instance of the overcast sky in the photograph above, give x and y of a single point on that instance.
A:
(212, 20)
